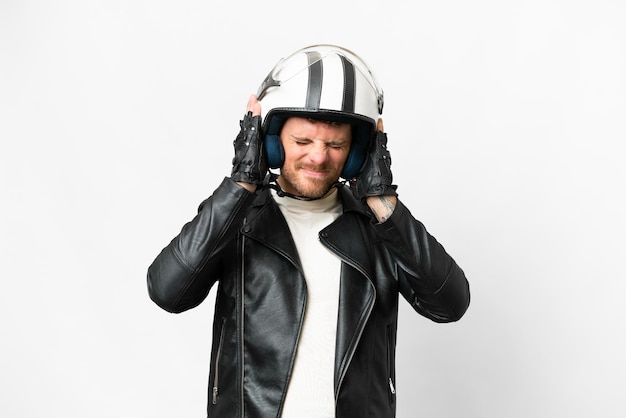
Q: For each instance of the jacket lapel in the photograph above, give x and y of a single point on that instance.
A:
(267, 225)
(347, 238)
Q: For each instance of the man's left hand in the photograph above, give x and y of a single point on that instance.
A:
(374, 183)
(375, 179)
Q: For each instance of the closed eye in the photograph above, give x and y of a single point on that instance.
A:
(337, 145)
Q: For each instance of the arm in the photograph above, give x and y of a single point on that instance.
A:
(183, 273)
(428, 277)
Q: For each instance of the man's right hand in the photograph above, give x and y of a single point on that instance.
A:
(249, 162)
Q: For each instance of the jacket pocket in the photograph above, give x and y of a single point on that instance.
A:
(391, 365)
(216, 366)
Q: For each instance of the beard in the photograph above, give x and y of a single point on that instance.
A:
(305, 187)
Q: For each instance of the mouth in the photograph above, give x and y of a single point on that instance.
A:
(315, 172)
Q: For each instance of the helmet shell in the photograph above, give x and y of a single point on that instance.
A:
(324, 82)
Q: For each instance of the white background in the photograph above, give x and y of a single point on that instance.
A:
(506, 128)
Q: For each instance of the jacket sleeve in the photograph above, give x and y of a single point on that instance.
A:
(429, 279)
(183, 273)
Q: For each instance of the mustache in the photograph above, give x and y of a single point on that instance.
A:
(314, 167)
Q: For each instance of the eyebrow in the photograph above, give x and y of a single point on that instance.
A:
(334, 142)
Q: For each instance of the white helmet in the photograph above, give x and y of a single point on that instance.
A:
(322, 82)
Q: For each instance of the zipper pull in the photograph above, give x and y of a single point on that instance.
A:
(215, 394)
(391, 387)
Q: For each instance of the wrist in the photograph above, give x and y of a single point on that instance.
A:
(248, 186)
(382, 206)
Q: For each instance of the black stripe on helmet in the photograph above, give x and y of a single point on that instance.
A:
(314, 89)
(349, 86)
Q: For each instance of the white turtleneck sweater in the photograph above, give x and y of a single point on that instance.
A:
(311, 388)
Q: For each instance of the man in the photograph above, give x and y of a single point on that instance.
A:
(309, 268)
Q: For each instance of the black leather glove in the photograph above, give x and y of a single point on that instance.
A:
(249, 162)
(375, 178)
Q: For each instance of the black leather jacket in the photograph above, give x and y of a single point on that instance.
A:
(242, 240)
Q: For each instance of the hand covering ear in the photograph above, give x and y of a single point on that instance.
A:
(375, 178)
(249, 162)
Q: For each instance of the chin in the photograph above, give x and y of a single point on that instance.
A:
(310, 190)
(315, 194)
(316, 190)
(304, 186)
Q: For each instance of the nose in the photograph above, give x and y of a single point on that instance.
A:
(318, 154)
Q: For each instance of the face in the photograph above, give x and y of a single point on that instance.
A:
(315, 153)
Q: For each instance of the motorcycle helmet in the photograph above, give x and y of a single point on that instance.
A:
(324, 82)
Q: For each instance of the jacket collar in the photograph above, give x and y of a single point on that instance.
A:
(266, 212)
(349, 202)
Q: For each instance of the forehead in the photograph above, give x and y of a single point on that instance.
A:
(317, 129)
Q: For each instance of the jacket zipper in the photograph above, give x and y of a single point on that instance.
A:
(352, 351)
(218, 356)
(241, 331)
(392, 388)
(369, 311)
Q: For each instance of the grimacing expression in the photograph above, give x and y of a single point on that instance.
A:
(315, 153)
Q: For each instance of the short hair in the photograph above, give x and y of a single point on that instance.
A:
(327, 122)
